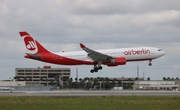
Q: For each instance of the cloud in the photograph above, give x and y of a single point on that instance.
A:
(63, 24)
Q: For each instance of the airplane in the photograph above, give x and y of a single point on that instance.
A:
(109, 57)
(6, 88)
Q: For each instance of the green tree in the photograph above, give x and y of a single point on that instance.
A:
(76, 79)
(85, 82)
(164, 78)
(136, 78)
(95, 81)
(70, 80)
(81, 83)
(91, 81)
(148, 79)
(103, 85)
(15, 78)
(113, 84)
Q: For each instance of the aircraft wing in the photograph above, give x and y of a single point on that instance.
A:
(96, 56)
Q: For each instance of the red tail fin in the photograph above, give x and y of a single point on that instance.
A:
(31, 44)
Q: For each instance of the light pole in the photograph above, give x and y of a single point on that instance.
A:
(10, 81)
(122, 80)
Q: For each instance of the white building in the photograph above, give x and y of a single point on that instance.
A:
(43, 76)
(12, 83)
(155, 84)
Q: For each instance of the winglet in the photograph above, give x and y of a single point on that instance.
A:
(23, 33)
(82, 46)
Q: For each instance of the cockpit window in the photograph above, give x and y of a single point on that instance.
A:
(159, 50)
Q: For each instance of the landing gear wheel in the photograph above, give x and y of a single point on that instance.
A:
(96, 69)
(100, 67)
(92, 71)
(150, 64)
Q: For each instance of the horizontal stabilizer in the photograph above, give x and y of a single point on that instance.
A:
(37, 57)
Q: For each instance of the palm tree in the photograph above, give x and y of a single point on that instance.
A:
(95, 81)
(76, 79)
(136, 78)
(70, 82)
(91, 81)
(15, 78)
(102, 81)
(80, 82)
(148, 78)
(107, 80)
(85, 82)
(113, 83)
(164, 78)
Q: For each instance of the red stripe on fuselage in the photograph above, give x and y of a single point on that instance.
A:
(57, 59)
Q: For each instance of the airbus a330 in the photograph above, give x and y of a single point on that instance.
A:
(97, 58)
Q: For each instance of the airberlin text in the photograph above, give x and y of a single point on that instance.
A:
(136, 52)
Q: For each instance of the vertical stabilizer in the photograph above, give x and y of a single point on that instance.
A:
(32, 45)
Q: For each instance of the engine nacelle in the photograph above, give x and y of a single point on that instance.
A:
(118, 61)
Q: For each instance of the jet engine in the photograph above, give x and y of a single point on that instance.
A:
(117, 61)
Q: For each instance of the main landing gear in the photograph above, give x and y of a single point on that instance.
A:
(96, 68)
(150, 64)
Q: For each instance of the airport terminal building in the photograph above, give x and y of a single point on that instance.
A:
(43, 76)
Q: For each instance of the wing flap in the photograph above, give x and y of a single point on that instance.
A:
(94, 55)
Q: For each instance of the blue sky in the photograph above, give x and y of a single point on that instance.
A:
(60, 25)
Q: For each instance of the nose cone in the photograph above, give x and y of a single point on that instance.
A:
(162, 53)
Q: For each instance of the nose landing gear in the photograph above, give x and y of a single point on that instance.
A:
(150, 64)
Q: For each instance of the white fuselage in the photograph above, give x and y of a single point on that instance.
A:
(131, 54)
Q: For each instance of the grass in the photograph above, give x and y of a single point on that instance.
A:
(90, 103)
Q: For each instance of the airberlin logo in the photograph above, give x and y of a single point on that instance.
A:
(30, 43)
(136, 52)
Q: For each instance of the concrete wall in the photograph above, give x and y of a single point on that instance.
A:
(32, 88)
(155, 85)
(12, 83)
(154, 82)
